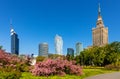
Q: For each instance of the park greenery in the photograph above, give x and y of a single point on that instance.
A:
(100, 56)
(87, 73)
(0, 47)
(91, 61)
(11, 66)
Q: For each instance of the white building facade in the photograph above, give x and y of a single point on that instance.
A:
(58, 45)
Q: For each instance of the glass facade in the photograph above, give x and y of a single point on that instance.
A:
(14, 44)
(43, 49)
(70, 52)
(58, 45)
(79, 48)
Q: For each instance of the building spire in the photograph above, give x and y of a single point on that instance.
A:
(10, 23)
(99, 20)
(11, 28)
(99, 10)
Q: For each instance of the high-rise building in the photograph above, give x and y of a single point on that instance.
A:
(70, 52)
(58, 45)
(79, 48)
(14, 42)
(43, 49)
(100, 33)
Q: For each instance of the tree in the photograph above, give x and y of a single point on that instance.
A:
(40, 58)
(1, 47)
(55, 56)
(112, 53)
(77, 59)
(101, 56)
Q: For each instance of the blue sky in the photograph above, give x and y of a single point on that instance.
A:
(37, 21)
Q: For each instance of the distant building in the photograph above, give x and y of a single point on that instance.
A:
(70, 52)
(100, 33)
(58, 45)
(79, 48)
(14, 42)
(43, 49)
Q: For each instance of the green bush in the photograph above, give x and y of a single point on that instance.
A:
(22, 67)
(9, 73)
(40, 58)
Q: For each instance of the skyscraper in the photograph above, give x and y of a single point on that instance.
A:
(14, 42)
(100, 33)
(70, 52)
(58, 45)
(43, 49)
(79, 48)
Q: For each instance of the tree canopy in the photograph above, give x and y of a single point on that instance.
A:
(0, 47)
(100, 56)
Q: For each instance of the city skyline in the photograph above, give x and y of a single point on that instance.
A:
(39, 21)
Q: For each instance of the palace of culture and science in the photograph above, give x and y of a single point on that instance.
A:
(100, 33)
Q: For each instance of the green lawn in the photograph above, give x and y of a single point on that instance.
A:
(29, 76)
(87, 72)
(92, 72)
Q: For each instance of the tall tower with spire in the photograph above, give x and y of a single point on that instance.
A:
(100, 33)
(14, 41)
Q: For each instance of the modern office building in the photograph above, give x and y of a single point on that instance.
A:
(70, 52)
(100, 33)
(79, 48)
(14, 42)
(58, 45)
(43, 49)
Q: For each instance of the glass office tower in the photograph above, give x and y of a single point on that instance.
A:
(70, 52)
(43, 49)
(14, 43)
(79, 48)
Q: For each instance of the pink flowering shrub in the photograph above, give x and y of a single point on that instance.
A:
(11, 66)
(10, 60)
(8, 67)
(6, 58)
(56, 67)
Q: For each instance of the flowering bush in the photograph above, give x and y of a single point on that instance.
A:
(11, 66)
(56, 67)
(8, 67)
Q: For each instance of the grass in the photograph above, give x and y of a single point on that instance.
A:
(26, 75)
(87, 73)
(92, 72)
